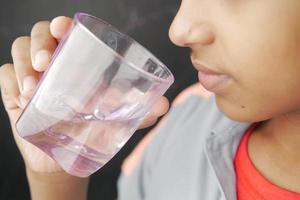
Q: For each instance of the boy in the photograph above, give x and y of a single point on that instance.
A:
(240, 143)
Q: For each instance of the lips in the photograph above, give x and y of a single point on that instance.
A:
(210, 79)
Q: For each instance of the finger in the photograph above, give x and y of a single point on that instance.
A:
(158, 109)
(59, 26)
(27, 77)
(9, 88)
(10, 93)
(42, 45)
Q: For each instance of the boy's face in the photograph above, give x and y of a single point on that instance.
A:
(254, 44)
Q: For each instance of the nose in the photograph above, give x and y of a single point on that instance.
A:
(190, 28)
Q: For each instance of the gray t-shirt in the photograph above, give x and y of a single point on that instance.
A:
(190, 158)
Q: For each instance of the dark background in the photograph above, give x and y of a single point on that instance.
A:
(147, 21)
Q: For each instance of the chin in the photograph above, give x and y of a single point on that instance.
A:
(238, 112)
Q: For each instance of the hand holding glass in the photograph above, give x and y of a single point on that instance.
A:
(93, 96)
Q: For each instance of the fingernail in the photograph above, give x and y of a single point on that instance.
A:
(23, 101)
(29, 83)
(41, 59)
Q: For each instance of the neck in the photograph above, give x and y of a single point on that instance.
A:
(274, 148)
(284, 132)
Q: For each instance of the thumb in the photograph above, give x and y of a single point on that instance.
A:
(158, 109)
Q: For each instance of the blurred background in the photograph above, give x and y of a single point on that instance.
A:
(146, 21)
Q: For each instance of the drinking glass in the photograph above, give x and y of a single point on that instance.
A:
(94, 94)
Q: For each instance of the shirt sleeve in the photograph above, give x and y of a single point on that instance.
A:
(134, 186)
(130, 187)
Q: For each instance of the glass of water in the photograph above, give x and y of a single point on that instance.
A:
(93, 96)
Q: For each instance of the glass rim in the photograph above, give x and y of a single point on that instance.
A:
(169, 79)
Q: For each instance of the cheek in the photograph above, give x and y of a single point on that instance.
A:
(266, 78)
(263, 56)
(262, 95)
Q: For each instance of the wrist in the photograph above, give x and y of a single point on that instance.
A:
(57, 185)
(51, 177)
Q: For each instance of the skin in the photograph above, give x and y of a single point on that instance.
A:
(256, 43)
